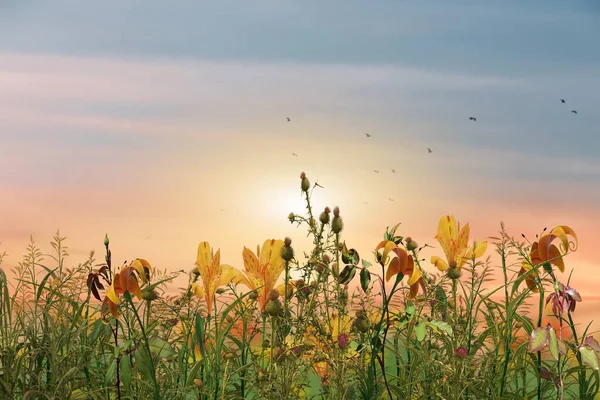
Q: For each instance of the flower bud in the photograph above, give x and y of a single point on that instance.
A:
(274, 308)
(106, 239)
(305, 184)
(292, 217)
(453, 273)
(336, 212)
(337, 225)
(149, 294)
(220, 290)
(287, 253)
(287, 242)
(273, 294)
(411, 244)
(361, 324)
(326, 258)
(324, 218)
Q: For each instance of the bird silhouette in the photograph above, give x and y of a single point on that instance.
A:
(375, 171)
(429, 150)
(288, 119)
(472, 119)
(562, 101)
(364, 202)
(295, 155)
(393, 171)
(390, 199)
(574, 111)
(368, 134)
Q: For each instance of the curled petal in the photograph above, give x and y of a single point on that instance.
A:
(133, 287)
(439, 263)
(415, 273)
(561, 232)
(197, 289)
(111, 294)
(554, 254)
(414, 288)
(141, 266)
(230, 275)
(399, 263)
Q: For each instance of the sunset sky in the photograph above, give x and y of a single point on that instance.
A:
(143, 120)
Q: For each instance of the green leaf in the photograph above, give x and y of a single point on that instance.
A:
(552, 342)
(194, 372)
(143, 363)
(589, 357)
(110, 372)
(98, 324)
(410, 309)
(420, 331)
(160, 348)
(538, 339)
(125, 373)
(440, 326)
(347, 274)
(562, 347)
(365, 279)
(366, 264)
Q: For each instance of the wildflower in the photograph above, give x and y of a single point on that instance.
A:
(461, 352)
(564, 297)
(455, 243)
(402, 264)
(544, 252)
(343, 341)
(213, 274)
(125, 281)
(263, 269)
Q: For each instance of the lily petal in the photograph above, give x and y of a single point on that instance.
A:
(439, 263)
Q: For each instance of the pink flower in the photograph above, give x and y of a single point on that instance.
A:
(461, 352)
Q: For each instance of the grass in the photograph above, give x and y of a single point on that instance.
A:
(454, 326)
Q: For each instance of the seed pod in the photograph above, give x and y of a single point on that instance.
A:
(347, 274)
(365, 279)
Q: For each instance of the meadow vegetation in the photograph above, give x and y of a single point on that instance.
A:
(420, 323)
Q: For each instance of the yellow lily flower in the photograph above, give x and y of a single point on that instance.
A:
(125, 281)
(213, 274)
(455, 243)
(402, 263)
(263, 268)
(544, 250)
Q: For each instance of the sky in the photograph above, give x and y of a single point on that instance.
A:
(166, 125)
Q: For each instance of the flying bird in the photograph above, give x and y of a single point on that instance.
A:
(390, 199)
(375, 171)
(562, 101)
(288, 119)
(295, 155)
(393, 171)
(429, 150)
(472, 119)
(574, 111)
(368, 134)
(364, 202)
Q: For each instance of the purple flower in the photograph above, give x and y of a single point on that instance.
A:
(343, 341)
(461, 352)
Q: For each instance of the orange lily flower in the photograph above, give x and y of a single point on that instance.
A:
(263, 268)
(213, 274)
(544, 251)
(125, 281)
(455, 243)
(402, 263)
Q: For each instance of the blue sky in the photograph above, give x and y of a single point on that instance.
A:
(159, 115)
